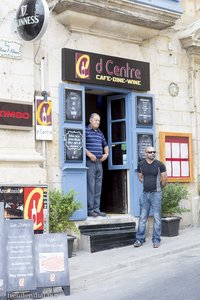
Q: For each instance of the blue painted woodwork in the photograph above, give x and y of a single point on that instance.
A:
(135, 185)
(170, 5)
(73, 172)
(110, 121)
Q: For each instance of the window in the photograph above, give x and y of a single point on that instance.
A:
(176, 152)
(118, 131)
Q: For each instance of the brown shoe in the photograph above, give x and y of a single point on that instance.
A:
(156, 245)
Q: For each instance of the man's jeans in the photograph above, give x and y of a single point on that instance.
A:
(151, 200)
(94, 184)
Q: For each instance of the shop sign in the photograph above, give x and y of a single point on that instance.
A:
(32, 19)
(10, 49)
(44, 129)
(81, 66)
(16, 115)
(26, 202)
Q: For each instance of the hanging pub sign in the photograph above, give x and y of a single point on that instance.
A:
(32, 19)
(16, 115)
(43, 110)
(81, 66)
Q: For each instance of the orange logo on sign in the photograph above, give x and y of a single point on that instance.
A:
(44, 113)
(33, 206)
(82, 66)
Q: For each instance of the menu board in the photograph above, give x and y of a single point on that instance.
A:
(73, 106)
(144, 111)
(143, 140)
(73, 150)
(51, 258)
(20, 255)
(2, 252)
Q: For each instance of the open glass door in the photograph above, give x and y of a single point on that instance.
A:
(118, 162)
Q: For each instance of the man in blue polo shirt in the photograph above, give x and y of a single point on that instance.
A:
(96, 151)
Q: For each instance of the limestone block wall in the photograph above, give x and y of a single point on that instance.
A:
(24, 160)
(20, 161)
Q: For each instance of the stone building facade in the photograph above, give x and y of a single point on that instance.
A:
(165, 34)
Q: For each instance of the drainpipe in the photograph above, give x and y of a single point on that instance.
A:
(44, 94)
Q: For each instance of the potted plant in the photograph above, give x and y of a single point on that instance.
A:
(173, 193)
(61, 208)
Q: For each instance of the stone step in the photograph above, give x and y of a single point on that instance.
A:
(104, 227)
(101, 237)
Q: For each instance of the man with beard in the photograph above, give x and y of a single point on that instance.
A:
(152, 174)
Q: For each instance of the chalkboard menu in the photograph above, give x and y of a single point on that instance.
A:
(73, 106)
(73, 146)
(51, 258)
(20, 255)
(144, 111)
(143, 140)
(2, 252)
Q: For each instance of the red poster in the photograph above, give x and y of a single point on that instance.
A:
(33, 206)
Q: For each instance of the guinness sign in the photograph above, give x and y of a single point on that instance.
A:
(32, 19)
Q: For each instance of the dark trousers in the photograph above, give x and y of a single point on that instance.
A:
(94, 184)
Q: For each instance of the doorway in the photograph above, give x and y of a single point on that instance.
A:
(114, 196)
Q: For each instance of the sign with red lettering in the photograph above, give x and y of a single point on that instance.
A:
(16, 115)
(81, 66)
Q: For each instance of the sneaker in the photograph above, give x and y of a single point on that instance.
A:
(137, 244)
(100, 213)
(92, 214)
(156, 245)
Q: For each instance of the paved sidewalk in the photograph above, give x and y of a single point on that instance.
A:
(89, 268)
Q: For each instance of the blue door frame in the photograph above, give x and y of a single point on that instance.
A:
(73, 174)
(135, 186)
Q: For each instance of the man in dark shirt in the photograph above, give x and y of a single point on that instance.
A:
(152, 173)
(96, 152)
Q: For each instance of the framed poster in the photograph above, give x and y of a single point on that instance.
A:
(73, 106)
(144, 111)
(73, 146)
(143, 140)
(176, 153)
(43, 114)
(26, 202)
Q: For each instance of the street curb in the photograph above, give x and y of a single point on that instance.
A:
(105, 271)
